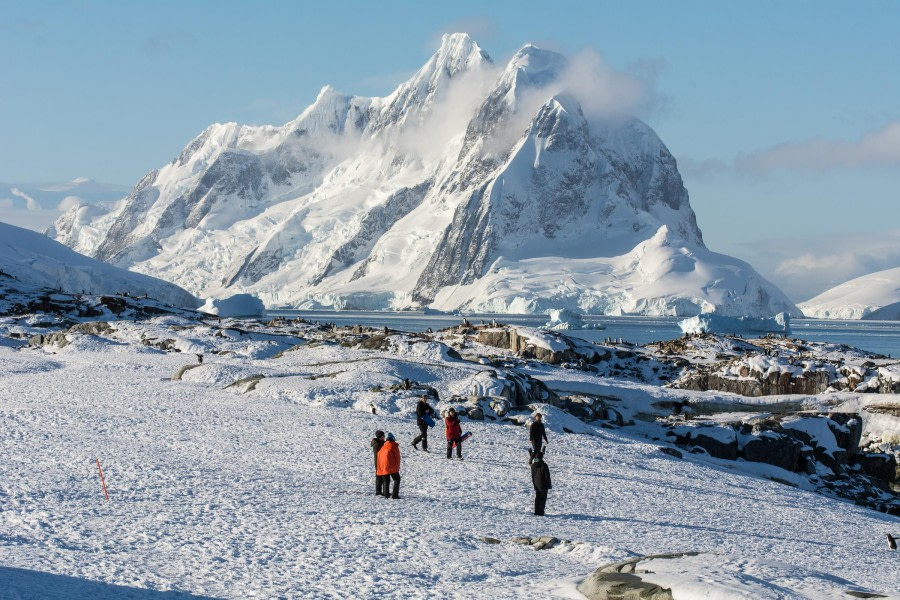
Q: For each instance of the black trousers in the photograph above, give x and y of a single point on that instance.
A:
(378, 486)
(540, 501)
(423, 435)
(458, 447)
(538, 446)
(385, 484)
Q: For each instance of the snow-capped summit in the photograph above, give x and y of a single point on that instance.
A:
(468, 187)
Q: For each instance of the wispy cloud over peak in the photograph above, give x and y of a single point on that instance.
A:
(877, 148)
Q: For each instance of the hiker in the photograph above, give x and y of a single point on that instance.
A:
(387, 467)
(422, 409)
(537, 435)
(453, 431)
(540, 477)
(377, 442)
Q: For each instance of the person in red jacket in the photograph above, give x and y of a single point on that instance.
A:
(387, 466)
(453, 431)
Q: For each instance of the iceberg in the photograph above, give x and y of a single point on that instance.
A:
(713, 323)
(239, 305)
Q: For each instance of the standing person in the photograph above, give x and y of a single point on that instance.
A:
(422, 409)
(388, 466)
(537, 435)
(453, 431)
(540, 477)
(377, 442)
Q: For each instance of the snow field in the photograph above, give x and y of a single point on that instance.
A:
(270, 493)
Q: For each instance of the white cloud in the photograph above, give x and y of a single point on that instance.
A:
(804, 267)
(68, 202)
(30, 203)
(602, 90)
(877, 148)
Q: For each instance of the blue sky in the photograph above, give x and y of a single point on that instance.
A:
(784, 116)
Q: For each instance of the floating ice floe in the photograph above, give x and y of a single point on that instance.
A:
(711, 323)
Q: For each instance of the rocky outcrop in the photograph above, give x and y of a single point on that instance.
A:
(719, 442)
(774, 449)
(622, 581)
(828, 455)
(754, 384)
(568, 351)
(879, 465)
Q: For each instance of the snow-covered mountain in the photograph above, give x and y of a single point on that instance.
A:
(470, 187)
(858, 298)
(36, 206)
(35, 260)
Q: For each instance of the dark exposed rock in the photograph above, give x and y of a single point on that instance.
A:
(58, 339)
(810, 383)
(719, 442)
(671, 452)
(879, 465)
(774, 449)
(847, 429)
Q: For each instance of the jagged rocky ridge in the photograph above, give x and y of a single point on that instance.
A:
(471, 186)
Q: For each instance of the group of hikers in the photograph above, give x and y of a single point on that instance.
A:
(387, 453)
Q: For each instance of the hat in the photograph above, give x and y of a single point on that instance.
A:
(390, 437)
(379, 434)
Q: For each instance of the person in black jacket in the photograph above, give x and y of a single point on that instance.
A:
(537, 435)
(377, 442)
(422, 409)
(540, 477)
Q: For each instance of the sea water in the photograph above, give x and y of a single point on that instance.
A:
(881, 337)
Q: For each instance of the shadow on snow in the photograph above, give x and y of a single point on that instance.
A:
(25, 584)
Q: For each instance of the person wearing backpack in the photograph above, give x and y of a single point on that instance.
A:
(453, 431)
(422, 409)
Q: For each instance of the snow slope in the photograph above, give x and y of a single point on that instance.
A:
(857, 298)
(36, 260)
(471, 187)
(236, 491)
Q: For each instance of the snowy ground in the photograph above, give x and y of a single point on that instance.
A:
(228, 493)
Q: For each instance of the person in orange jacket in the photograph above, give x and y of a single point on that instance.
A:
(453, 431)
(388, 466)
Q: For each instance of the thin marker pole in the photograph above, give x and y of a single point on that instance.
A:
(103, 481)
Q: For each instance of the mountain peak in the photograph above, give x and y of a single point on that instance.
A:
(538, 64)
(459, 52)
(466, 188)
